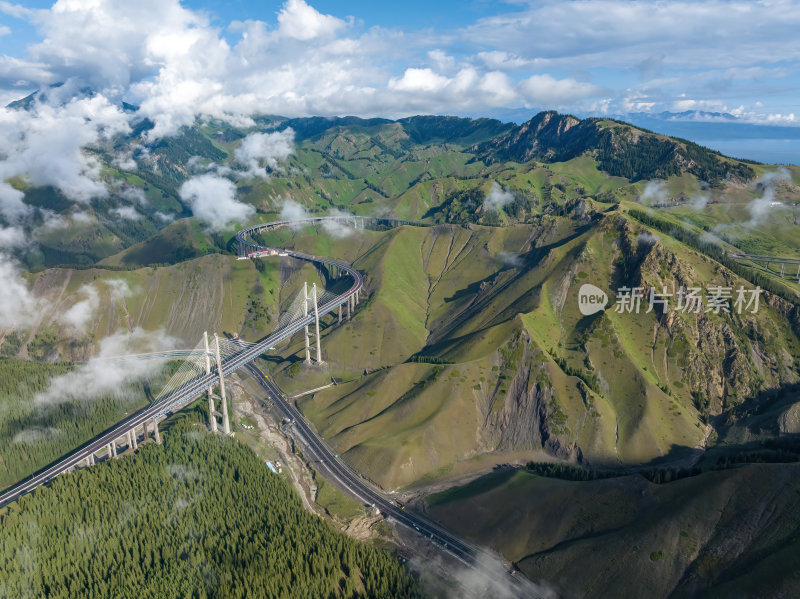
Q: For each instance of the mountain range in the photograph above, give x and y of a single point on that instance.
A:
(469, 365)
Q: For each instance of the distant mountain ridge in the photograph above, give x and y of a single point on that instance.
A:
(620, 149)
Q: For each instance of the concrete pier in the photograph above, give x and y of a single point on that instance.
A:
(212, 418)
(316, 323)
(226, 425)
(305, 313)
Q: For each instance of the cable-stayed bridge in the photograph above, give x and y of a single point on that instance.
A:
(206, 366)
(200, 373)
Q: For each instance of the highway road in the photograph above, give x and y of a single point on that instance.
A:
(187, 393)
(333, 468)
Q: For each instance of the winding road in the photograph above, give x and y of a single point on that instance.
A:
(328, 461)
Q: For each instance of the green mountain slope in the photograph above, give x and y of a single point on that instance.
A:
(513, 369)
(620, 149)
(729, 533)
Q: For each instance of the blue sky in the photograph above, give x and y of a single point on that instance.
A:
(226, 59)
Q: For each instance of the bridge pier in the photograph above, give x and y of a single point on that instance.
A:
(316, 323)
(155, 431)
(226, 425)
(112, 449)
(783, 269)
(212, 415)
(132, 439)
(798, 273)
(305, 313)
(340, 313)
(348, 308)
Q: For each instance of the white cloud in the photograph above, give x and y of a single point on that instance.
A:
(18, 306)
(125, 162)
(264, 149)
(510, 259)
(126, 212)
(35, 434)
(762, 207)
(293, 211)
(497, 197)
(619, 33)
(646, 238)
(545, 90)
(176, 64)
(700, 201)
(15, 10)
(300, 21)
(654, 192)
(213, 200)
(81, 313)
(46, 145)
(12, 206)
(103, 377)
(419, 80)
(134, 194)
(338, 230)
(12, 237)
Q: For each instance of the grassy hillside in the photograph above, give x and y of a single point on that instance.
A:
(727, 533)
(213, 293)
(469, 350)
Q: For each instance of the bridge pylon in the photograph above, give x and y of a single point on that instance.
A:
(316, 323)
(226, 425)
(305, 314)
(212, 413)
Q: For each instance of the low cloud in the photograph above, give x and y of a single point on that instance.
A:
(104, 377)
(646, 238)
(134, 194)
(700, 201)
(546, 90)
(164, 217)
(213, 201)
(710, 238)
(497, 198)
(762, 207)
(81, 313)
(45, 144)
(296, 213)
(654, 193)
(12, 206)
(488, 577)
(510, 259)
(34, 434)
(18, 306)
(293, 211)
(339, 230)
(126, 212)
(12, 237)
(260, 151)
